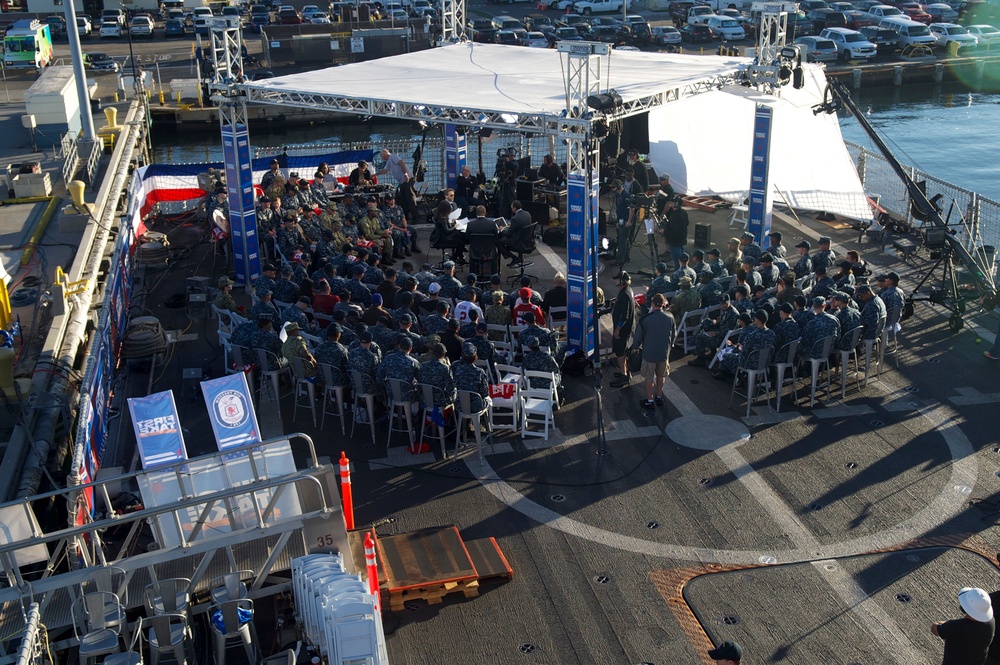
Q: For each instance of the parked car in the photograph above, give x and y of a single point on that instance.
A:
(916, 12)
(538, 40)
(885, 39)
(560, 5)
(83, 27)
(141, 26)
(841, 7)
(588, 7)
(110, 30)
(986, 35)
(572, 20)
(316, 17)
(941, 12)
(817, 49)
(504, 22)
(483, 31)
(851, 44)
(398, 15)
(947, 34)
(809, 5)
(101, 62)
(116, 15)
(536, 21)
(289, 16)
(865, 5)
(173, 27)
(235, 14)
(516, 37)
(567, 34)
(880, 12)
(696, 33)
(826, 18)
(799, 24)
(57, 26)
(422, 8)
(727, 28)
(666, 35)
(858, 19)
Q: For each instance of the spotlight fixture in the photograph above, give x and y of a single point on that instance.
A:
(605, 101)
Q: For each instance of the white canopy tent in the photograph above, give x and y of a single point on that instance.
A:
(705, 144)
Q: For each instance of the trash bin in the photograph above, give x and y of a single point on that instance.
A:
(702, 235)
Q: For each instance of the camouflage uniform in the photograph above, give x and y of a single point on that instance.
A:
(434, 324)
(225, 302)
(849, 319)
(803, 266)
(463, 293)
(292, 314)
(285, 290)
(684, 301)
(802, 317)
(473, 379)
(777, 251)
(401, 366)
(718, 268)
(404, 280)
(823, 287)
(754, 250)
(535, 331)
(370, 229)
(384, 337)
(873, 310)
(424, 279)
(788, 295)
(266, 220)
(267, 340)
(768, 275)
(785, 332)
(892, 297)
(373, 277)
(290, 238)
(342, 263)
(752, 340)
(267, 309)
(365, 361)
(348, 337)
(299, 273)
(540, 360)
(263, 282)
(318, 193)
(726, 321)
(394, 216)
(449, 286)
(334, 354)
(661, 284)
(819, 327)
(468, 331)
(418, 342)
(743, 306)
(825, 258)
(360, 294)
(497, 315)
(683, 271)
(243, 333)
(436, 373)
(753, 279)
(484, 348)
(710, 293)
(295, 347)
(844, 282)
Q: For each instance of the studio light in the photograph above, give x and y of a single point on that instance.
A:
(605, 101)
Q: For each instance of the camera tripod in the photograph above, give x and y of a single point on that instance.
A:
(649, 217)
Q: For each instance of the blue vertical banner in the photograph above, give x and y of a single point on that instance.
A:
(157, 429)
(231, 411)
(581, 227)
(455, 154)
(759, 213)
(242, 211)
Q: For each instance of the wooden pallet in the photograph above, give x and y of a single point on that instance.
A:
(705, 203)
(434, 595)
(490, 562)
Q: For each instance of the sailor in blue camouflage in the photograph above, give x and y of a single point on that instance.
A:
(265, 280)
(318, 192)
(438, 321)
(384, 336)
(741, 300)
(786, 331)
(437, 373)
(403, 367)
(406, 330)
(539, 359)
(360, 294)
(768, 272)
(424, 278)
(709, 289)
(661, 283)
(404, 277)
(774, 246)
(352, 209)
(349, 229)
(682, 271)
(872, 311)
(848, 317)
(804, 265)
(449, 285)
(484, 347)
(332, 352)
(544, 336)
(285, 290)
(267, 340)
(716, 264)
(295, 313)
(373, 274)
(343, 262)
(243, 333)
(347, 335)
(365, 358)
(265, 307)
(754, 340)
(290, 237)
(889, 291)
(697, 263)
(749, 264)
(824, 286)
(713, 329)
(845, 278)
(749, 246)
(802, 314)
(824, 256)
(471, 378)
(822, 325)
(301, 269)
(394, 220)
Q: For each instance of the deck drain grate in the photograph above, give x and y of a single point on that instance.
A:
(369, 446)
(730, 619)
(557, 498)
(603, 579)
(912, 557)
(815, 506)
(877, 423)
(904, 597)
(527, 647)
(695, 382)
(411, 606)
(851, 465)
(934, 361)
(602, 452)
(767, 560)
(911, 389)
(454, 469)
(996, 449)
(705, 481)
(653, 524)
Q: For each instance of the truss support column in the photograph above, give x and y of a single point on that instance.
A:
(583, 79)
(456, 153)
(759, 213)
(452, 21)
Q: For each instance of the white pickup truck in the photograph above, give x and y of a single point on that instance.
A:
(588, 7)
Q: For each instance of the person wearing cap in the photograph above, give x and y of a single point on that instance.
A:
(437, 322)
(370, 229)
(709, 289)
(471, 378)
(890, 293)
(749, 275)
(284, 289)
(727, 653)
(873, 314)
(332, 352)
(524, 304)
(714, 327)
(819, 327)
(295, 347)
(429, 304)
(734, 256)
(623, 321)
(824, 256)
(273, 177)
(664, 194)
(654, 335)
(803, 313)
(477, 334)
(534, 330)
(394, 219)
(804, 265)
(224, 299)
(497, 314)
(682, 271)
(375, 311)
(848, 317)
(436, 372)
(756, 338)
(424, 277)
(716, 264)
(687, 299)
(639, 171)
(768, 272)
(265, 216)
(405, 324)
(361, 295)
(697, 263)
(675, 230)
(361, 176)
(388, 287)
(538, 358)
(661, 282)
(786, 330)
(447, 281)
(265, 307)
(400, 365)
(290, 237)
(471, 280)
(844, 278)
(514, 296)
(741, 299)
(265, 338)
(242, 334)
(373, 274)
(365, 357)
(452, 340)
(774, 246)
(824, 286)
(967, 640)
(749, 246)
(296, 313)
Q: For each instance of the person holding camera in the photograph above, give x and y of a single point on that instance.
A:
(675, 229)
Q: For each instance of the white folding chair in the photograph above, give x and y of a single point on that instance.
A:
(312, 341)
(536, 408)
(740, 215)
(305, 389)
(504, 408)
(557, 317)
(465, 412)
(872, 346)
(333, 391)
(733, 335)
(756, 378)
(688, 328)
(551, 377)
(426, 393)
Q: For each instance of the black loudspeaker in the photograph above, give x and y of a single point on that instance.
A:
(524, 190)
(702, 235)
(602, 223)
(539, 211)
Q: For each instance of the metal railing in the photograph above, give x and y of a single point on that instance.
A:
(71, 157)
(974, 218)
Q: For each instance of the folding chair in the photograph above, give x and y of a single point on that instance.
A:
(362, 397)
(305, 389)
(871, 345)
(398, 408)
(333, 389)
(536, 408)
(825, 347)
(853, 341)
(426, 393)
(756, 377)
(786, 361)
(465, 412)
(270, 379)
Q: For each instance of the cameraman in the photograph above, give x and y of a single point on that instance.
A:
(624, 191)
(664, 194)
(675, 229)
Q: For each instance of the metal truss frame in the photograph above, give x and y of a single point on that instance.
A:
(453, 21)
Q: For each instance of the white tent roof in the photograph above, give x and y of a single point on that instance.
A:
(496, 78)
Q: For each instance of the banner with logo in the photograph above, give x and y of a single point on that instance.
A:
(157, 429)
(231, 410)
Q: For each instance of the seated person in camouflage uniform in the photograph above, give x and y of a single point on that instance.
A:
(539, 359)
(401, 366)
(709, 289)
(296, 313)
(661, 283)
(436, 372)
(224, 300)
(713, 330)
(755, 339)
(295, 347)
(284, 289)
(686, 300)
(332, 352)
(365, 358)
(266, 339)
(822, 325)
(497, 314)
(470, 378)
(243, 333)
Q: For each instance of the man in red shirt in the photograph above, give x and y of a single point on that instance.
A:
(524, 304)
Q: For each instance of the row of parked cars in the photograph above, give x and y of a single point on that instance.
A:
(541, 31)
(112, 25)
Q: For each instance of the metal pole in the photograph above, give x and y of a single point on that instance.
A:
(76, 54)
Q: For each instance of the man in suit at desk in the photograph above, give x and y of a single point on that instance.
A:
(510, 237)
(481, 225)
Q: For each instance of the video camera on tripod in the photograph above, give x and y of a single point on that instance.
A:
(641, 201)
